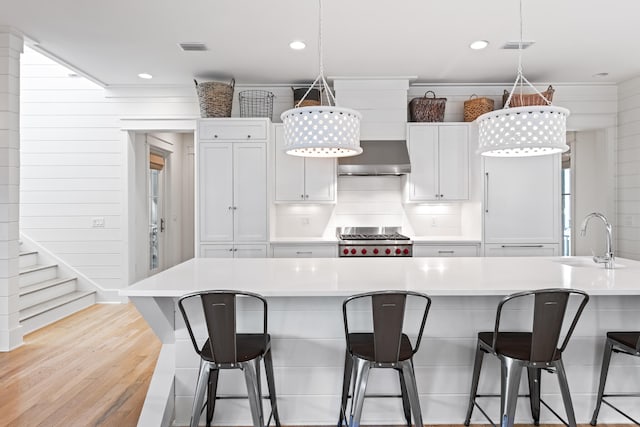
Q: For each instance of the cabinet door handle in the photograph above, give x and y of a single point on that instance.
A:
(230, 208)
(486, 192)
(523, 246)
(231, 250)
(248, 136)
(235, 249)
(437, 196)
(302, 196)
(304, 253)
(306, 196)
(446, 252)
(442, 196)
(215, 136)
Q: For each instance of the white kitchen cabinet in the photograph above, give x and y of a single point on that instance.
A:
(439, 155)
(541, 249)
(304, 251)
(233, 251)
(237, 129)
(232, 187)
(521, 206)
(444, 250)
(302, 179)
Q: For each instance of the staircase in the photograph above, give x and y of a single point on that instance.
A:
(44, 296)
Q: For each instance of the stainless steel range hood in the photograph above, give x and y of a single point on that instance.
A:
(377, 158)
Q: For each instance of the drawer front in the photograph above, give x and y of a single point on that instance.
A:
(529, 249)
(225, 130)
(304, 251)
(444, 250)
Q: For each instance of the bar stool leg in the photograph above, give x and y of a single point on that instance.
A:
(362, 375)
(252, 391)
(606, 359)
(477, 366)
(259, 388)
(346, 382)
(211, 394)
(406, 405)
(268, 368)
(534, 375)
(511, 373)
(201, 388)
(412, 391)
(566, 396)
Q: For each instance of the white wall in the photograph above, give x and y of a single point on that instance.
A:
(628, 170)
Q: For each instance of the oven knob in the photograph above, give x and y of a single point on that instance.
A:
(398, 251)
(353, 251)
(346, 251)
(387, 251)
(406, 252)
(364, 251)
(375, 251)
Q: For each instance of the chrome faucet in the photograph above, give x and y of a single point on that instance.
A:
(608, 259)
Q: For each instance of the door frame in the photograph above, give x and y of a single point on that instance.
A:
(133, 130)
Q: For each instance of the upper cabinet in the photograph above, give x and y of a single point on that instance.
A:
(439, 155)
(302, 179)
(232, 189)
(233, 130)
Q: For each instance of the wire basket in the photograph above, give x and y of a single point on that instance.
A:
(256, 103)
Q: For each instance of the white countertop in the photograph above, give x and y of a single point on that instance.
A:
(283, 277)
(456, 240)
(303, 240)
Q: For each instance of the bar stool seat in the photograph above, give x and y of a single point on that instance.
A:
(516, 345)
(536, 350)
(628, 343)
(363, 346)
(248, 347)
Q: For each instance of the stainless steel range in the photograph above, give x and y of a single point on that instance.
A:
(373, 241)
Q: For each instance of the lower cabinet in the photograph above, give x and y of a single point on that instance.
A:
(431, 250)
(528, 249)
(304, 251)
(233, 251)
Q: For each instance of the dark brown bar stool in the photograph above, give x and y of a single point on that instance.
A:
(383, 345)
(224, 348)
(535, 350)
(617, 342)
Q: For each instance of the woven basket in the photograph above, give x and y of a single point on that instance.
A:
(525, 99)
(427, 109)
(474, 107)
(312, 99)
(215, 98)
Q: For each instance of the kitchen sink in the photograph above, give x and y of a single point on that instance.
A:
(585, 262)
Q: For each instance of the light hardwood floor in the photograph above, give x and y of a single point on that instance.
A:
(90, 369)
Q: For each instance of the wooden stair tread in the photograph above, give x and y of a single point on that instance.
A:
(44, 284)
(37, 267)
(37, 309)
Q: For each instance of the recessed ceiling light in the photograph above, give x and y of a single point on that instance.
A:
(601, 75)
(479, 44)
(297, 45)
(146, 76)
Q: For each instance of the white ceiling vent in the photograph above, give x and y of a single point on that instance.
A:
(193, 47)
(513, 45)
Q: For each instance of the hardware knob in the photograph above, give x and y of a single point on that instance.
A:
(387, 251)
(406, 252)
(346, 251)
(398, 251)
(375, 251)
(364, 251)
(353, 251)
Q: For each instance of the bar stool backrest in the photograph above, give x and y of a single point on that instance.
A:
(550, 307)
(219, 308)
(388, 312)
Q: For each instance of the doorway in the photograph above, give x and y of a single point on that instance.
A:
(161, 201)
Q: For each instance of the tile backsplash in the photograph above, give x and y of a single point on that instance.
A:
(376, 201)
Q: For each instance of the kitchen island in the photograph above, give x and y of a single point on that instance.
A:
(305, 321)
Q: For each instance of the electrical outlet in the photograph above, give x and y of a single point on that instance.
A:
(97, 222)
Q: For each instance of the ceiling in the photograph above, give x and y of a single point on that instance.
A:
(112, 41)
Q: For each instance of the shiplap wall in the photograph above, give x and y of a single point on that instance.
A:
(628, 170)
(10, 48)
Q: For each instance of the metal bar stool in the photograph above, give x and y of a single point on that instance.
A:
(224, 348)
(536, 350)
(617, 342)
(384, 345)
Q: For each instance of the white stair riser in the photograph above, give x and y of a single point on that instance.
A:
(46, 294)
(28, 260)
(34, 277)
(55, 314)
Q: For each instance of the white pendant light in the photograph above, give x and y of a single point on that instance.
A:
(523, 131)
(324, 130)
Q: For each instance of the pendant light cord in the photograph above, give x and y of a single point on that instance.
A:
(520, 76)
(323, 86)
